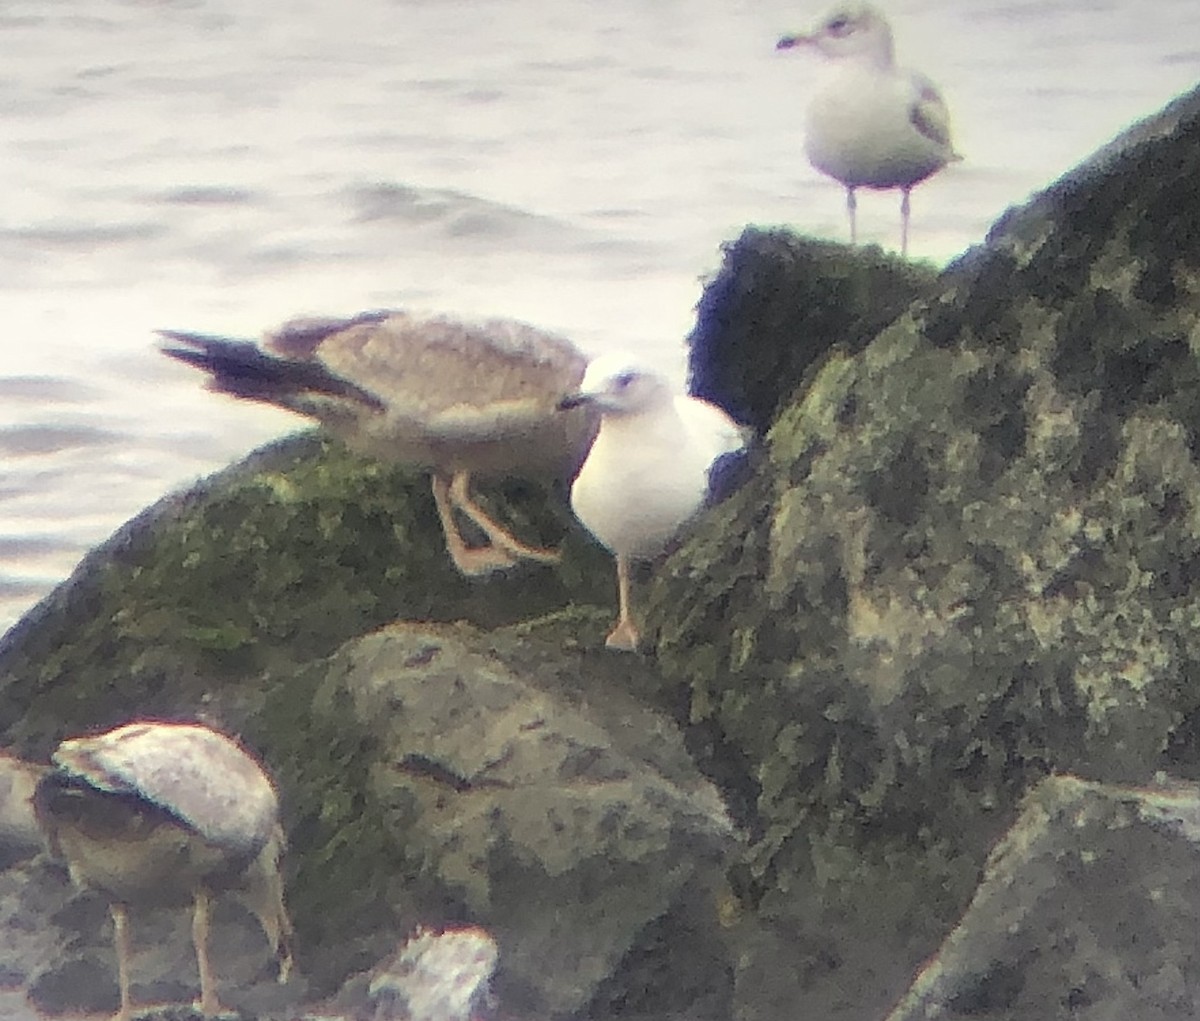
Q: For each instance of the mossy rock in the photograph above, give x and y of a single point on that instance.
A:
(779, 305)
(970, 560)
(263, 567)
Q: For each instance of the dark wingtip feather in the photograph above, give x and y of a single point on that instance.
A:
(242, 369)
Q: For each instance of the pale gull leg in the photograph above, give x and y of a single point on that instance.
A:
(208, 1005)
(460, 497)
(483, 560)
(904, 208)
(852, 209)
(273, 917)
(121, 945)
(624, 635)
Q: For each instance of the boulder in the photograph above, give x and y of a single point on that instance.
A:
(968, 559)
(487, 782)
(819, 295)
(435, 776)
(1087, 910)
(274, 562)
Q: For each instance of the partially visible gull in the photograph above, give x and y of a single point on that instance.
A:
(873, 124)
(458, 398)
(157, 814)
(648, 470)
(436, 976)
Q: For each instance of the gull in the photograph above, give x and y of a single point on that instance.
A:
(154, 813)
(648, 471)
(437, 976)
(460, 399)
(873, 124)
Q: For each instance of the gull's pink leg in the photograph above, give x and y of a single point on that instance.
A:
(624, 635)
(481, 560)
(499, 536)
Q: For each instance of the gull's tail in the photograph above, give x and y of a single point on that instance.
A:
(242, 369)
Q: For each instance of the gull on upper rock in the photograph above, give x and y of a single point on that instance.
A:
(649, 468)
(872, 124)
(458, 398)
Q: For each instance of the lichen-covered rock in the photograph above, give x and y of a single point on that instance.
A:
(562, 818)
(434, 776)
(1087, 910)
(971, 559)
(266, 565)
(817, 296)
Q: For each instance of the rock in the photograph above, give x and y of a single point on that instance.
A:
(1086, 910)
(779, 305)
(433, 976)
(562, 822)
(970, 559)
(434, 776)
(20, 836)
(266, 565)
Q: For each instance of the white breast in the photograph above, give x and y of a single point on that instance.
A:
(647, 473)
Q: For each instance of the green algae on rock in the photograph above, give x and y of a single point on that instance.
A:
(969, 561)
(266, 565)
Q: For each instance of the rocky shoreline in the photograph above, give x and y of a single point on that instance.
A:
(915, 734)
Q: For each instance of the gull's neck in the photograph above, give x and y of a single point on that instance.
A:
(653, 417)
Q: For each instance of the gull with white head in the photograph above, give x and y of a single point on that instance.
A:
(873, 124)
(648, 469)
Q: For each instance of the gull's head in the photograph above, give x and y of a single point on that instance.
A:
(617, 384)
(851, 31)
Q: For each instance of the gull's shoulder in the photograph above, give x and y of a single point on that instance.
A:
(927, 110)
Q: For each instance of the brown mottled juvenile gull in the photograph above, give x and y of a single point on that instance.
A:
(154, 814)
(873, 124)
(460, 399)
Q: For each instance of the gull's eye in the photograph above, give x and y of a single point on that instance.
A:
(841, 25)
(624, 379)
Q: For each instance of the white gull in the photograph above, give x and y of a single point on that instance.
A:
(873, 124)
(648, 469)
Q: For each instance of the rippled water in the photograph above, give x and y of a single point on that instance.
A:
(223, 165)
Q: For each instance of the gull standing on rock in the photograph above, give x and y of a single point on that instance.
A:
(459, 398)
(648, 469)
(873, 124)
(154, 814)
